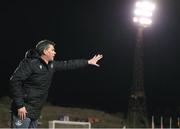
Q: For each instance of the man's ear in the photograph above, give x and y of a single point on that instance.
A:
(44, 52)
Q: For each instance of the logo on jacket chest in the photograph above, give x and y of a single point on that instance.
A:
(41, 67)
(51, 66)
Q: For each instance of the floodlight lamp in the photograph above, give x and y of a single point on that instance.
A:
(135, 19)
(145, 21)
(143, 12)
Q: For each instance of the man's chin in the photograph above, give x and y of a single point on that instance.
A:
(51, 59)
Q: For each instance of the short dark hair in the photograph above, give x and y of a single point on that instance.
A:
(43, 45)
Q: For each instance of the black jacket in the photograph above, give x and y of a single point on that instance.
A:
(31, 80)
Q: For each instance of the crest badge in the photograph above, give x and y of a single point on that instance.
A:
(40, 66)
(52, 66)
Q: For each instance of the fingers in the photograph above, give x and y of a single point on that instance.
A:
(22, 113)
(94, 60)
(96, 64)
(99, 56)
(94, 57)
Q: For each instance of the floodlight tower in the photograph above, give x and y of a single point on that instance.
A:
(137, 115)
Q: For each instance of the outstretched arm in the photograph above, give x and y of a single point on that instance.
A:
(78, 63)
(95, 59)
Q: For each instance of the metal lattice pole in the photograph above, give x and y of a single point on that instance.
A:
(137, 115)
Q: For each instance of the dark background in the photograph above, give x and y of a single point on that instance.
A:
(82, 28)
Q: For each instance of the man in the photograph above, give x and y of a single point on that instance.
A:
(31, 80)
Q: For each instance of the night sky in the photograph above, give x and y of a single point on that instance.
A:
(82, 28)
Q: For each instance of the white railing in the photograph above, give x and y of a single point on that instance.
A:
(52, 123)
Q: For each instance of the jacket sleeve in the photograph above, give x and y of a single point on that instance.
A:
(71, 64)
(21, 73)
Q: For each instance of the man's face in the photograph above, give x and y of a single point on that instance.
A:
(50, 53)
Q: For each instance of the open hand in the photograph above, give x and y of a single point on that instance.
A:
(95, 59)
(22, 113)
